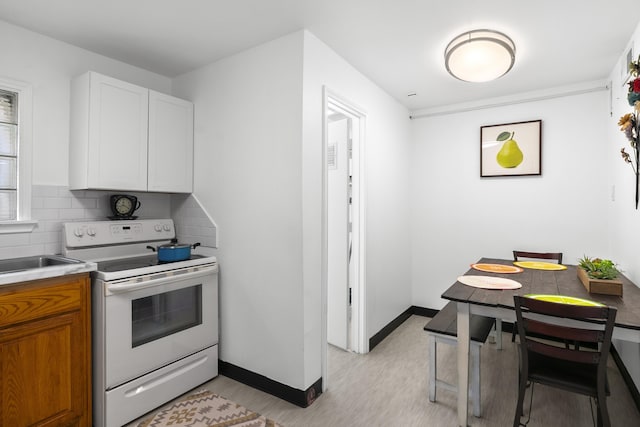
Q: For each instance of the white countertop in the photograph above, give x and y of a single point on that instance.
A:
(46, 272)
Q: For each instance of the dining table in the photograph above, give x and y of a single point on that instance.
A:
(499, 304)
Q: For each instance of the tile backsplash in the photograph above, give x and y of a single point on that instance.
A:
(192, 222)
(52, 206)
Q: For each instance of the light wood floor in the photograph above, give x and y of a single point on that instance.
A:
(388, 387)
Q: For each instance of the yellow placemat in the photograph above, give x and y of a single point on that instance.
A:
(538, 265)
(565, 300)
(489, 282)
(496, 268)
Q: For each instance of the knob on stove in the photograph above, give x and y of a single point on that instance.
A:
(78, 232)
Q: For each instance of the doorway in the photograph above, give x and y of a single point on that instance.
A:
(339, 226)
(344, 284)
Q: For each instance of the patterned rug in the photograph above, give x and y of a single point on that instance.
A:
(206, 409)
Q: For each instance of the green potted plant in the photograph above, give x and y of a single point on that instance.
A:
(599, 276)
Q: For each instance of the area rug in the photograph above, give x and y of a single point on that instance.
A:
(206, 409)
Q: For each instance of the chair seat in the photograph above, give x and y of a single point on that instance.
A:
(443, 329)
(446, 323)
(570, 376)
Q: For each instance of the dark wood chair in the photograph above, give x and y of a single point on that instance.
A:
(581, 370)
(517, 255)
(557, 256)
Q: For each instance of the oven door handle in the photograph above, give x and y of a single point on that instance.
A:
(133, 284)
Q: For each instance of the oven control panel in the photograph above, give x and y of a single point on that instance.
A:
(100, 233)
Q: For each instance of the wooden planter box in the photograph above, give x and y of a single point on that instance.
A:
(600, 286)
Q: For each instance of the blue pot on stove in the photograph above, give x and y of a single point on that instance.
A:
(174, 251)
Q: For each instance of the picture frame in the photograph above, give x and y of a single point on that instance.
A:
(511, 149)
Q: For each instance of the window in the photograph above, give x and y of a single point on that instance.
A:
(8, 155)
(15, 157)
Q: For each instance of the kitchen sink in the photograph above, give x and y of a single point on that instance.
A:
(34, 262)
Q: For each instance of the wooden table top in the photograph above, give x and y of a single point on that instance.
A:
(558, 282)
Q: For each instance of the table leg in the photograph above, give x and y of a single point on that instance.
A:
(433, 368)
(463, 363)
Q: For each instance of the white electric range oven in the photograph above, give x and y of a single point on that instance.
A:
(154, 324)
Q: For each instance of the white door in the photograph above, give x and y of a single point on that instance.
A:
(170, 144)
(118, 124)
(338, 231)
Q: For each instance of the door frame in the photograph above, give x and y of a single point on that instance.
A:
(334, 101)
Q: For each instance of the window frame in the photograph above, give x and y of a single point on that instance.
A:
(23, 223)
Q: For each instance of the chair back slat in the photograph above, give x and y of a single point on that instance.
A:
(538, 255)
(587, 357)
(571, 311)
(564, 332)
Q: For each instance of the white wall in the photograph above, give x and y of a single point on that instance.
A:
(458, 217)
(258, 150)
(386, 183)
(624, 218)
(248, 175)
(49, 65)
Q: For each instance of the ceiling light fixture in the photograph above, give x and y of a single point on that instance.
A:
(480, 55)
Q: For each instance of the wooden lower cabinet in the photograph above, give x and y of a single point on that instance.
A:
(45, 352)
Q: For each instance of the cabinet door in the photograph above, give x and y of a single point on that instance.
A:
(170, 167)
(45, 354)
(118, 119)
(41, 383)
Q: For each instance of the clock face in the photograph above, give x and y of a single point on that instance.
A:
(124, 206)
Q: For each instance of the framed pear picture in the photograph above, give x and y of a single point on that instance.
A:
(511, 149)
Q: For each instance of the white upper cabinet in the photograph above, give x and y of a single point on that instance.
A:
(170, 165)
(126, 137)
(109, 129)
